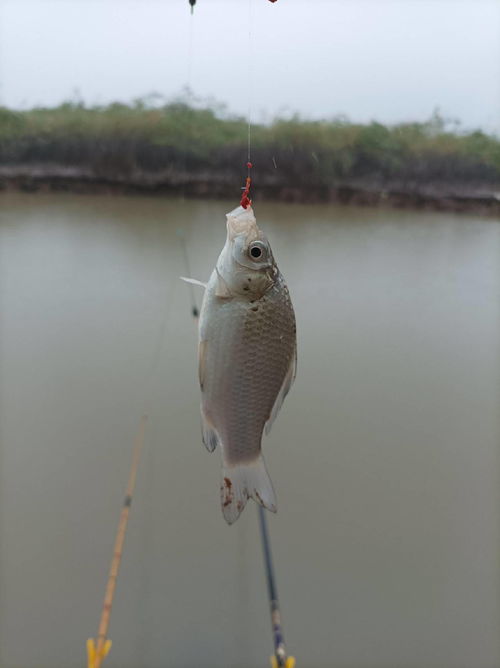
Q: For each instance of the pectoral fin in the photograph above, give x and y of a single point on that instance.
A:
(202, 357)
(285, 389)
(209, 435)
(221, 288)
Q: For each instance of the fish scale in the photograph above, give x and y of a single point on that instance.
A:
(262, 361)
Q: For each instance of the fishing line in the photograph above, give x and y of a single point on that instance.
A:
(250, 83)
(190, 51)
(194, 308)
(1, 55)
(245, 201)
(189, 134)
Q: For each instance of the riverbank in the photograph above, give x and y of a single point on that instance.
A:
(404, 195)
(201, 152)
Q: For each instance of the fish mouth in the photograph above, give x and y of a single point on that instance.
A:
(242, 221)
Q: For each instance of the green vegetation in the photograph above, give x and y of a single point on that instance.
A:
(188, 144)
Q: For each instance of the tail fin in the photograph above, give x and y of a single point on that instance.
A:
(243, 481)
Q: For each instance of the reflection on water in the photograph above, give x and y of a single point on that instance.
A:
(384, 458)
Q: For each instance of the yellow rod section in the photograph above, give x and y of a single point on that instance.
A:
(97, 651)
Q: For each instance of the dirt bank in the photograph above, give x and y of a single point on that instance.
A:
(216, 184)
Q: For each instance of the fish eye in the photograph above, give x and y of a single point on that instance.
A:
(257, 250)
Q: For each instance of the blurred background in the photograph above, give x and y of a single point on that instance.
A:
(376, 149)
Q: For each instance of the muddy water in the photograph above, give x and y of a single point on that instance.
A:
(385, 457)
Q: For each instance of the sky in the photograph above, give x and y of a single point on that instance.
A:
(384, 60)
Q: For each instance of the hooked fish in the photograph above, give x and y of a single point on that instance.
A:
(247, 360)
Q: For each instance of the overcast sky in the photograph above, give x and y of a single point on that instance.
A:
(389, 60)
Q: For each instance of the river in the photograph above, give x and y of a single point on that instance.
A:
(384, 458)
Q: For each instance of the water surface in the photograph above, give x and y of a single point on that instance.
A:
(384, 458)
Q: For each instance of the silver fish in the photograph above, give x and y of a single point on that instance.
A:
(247, 360)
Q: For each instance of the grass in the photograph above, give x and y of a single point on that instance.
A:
(120, 140)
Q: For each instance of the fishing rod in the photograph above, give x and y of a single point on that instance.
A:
(189, 101)
(97, 651)
(280, 658)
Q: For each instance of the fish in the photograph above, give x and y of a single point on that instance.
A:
(247, 360)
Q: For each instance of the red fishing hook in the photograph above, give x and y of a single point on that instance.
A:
(245, 200)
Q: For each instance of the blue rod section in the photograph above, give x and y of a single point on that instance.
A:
(279, 643)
